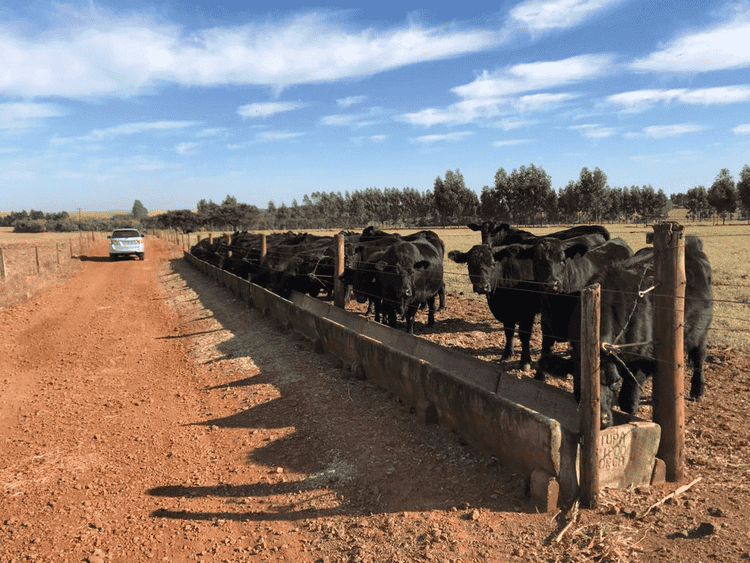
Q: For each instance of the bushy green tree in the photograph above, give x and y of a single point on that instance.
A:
(743, 189)
(722, 195)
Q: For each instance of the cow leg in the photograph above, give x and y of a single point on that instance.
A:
(441, 294)
(524, 334)
(411, 312)
(431, 311)
(510, 330)
(697, 356)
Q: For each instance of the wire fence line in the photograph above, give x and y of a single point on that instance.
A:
(23, 259)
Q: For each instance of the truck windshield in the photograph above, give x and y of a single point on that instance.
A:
(126, 233)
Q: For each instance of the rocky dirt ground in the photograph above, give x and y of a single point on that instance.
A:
(148, 415)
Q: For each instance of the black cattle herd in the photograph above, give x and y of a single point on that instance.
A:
(521, 274)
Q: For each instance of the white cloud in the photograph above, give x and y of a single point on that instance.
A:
(541, 102)
(594, 130)
(510, 142)
(743, 129)
(350, 101)
(642, 100)
(529, 77)
(665, 131)
(371, 117)
(23, 115)
(426, 139)
(276, 136)
(544, 15)
(185, 148)
(136, 128)
(98, 55)
(371, 138)
(214, 132)
(722, 47)
(265, 109)
(510, 124)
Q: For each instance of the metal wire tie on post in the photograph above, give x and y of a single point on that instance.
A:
(641, 294)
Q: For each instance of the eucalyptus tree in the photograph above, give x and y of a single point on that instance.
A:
(743, 189)
(722, 195)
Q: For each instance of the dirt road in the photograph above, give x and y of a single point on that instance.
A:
(147, 415)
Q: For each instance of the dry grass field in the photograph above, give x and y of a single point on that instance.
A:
(58, 256)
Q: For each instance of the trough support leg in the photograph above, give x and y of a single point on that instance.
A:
(545, 491)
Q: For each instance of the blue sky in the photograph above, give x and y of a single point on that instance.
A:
(102, 103)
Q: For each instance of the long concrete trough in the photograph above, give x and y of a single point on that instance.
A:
(529, 425)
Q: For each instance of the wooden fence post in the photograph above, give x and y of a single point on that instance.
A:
(263, 247)
(59, 251)
(669, 325)
(590, 395)
(3, 273)
(38, 263)
(339, 291)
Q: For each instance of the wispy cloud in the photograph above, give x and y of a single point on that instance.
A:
(642, 100)
(137, 128)
(594, 130)
(23, 115)
(185, 148)
(87, 59)
(529, 77)
(276, 136)
(743, 129)
(371, 117)
(371, 139)
(666, 131)
(721, 47)
(493, 94)
(428, 139)
(350, 101)
(545, 15)
(265, 109)
(510, 142)
(213, 132)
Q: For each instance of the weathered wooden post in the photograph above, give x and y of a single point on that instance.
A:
(339, 291)
(38, 263)
(669, 325)
(70, 243)
(3, 273)
(590, 395)
(59, 251)
(263, 247)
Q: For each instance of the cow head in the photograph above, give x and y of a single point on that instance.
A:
(480, 262)
(398, 282)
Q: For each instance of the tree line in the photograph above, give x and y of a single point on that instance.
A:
(523, 196)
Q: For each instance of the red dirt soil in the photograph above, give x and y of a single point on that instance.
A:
(149, 415)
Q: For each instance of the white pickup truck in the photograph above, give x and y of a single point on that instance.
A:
(125, 242)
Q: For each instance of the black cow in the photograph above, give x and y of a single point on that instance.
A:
(410, 274)
(562, 269)
(507, 282)
(502, 234)
(627, 318)
(361, 276)
(497, 234)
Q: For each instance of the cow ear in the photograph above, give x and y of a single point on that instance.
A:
(576, 250)
(474, 227)
(422, 265)
(457, 256)
(500, 254)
